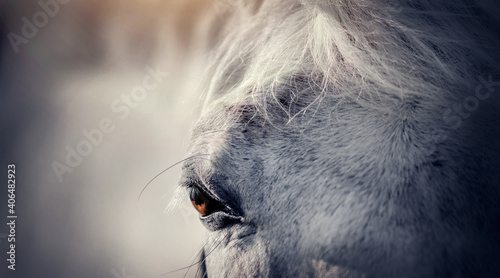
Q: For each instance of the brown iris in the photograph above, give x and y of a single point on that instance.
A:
(201, 208)
(203, 203)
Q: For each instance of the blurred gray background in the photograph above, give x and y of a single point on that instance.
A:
(77, 65)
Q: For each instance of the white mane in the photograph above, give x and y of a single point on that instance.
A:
(371, 52)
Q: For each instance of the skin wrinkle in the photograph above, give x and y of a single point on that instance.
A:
(328, 141)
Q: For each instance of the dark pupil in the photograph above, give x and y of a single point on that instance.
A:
(199, 197)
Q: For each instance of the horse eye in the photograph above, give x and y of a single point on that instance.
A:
(203, 203)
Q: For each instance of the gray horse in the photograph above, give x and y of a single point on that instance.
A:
(350, 139)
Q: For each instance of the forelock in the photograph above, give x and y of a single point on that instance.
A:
(375, 53)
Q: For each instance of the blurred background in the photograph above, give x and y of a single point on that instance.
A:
(97, 98)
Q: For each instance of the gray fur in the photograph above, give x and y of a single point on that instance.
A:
(324, 184)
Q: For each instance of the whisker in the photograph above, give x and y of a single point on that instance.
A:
(200, 266)
(175, 164)
(198, 262)
(205, 257)
(196, 256)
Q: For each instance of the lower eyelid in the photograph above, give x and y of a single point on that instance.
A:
(218, 220)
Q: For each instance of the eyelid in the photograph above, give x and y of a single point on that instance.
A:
(218, 220)
(194, 184)
(213, 187)
(216, 186)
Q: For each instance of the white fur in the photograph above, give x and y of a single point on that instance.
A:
(326, 124)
